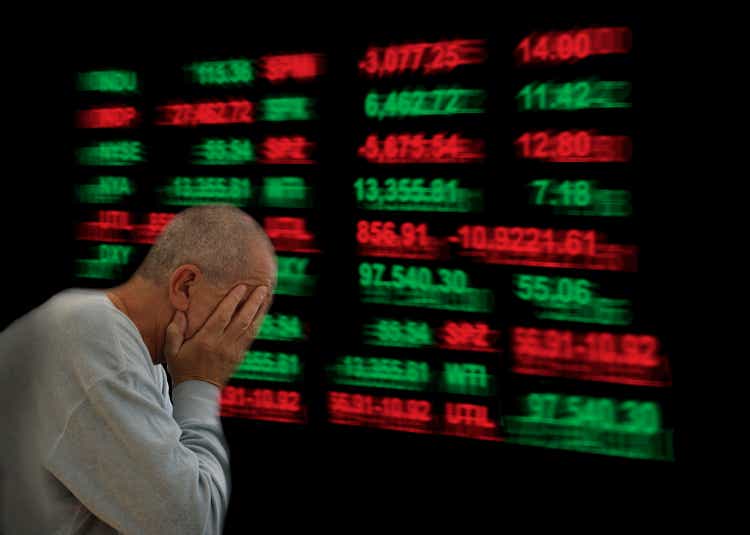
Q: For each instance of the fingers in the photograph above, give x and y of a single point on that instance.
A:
(245, 318)
(175, 335)
(248, 335)
(219, 320)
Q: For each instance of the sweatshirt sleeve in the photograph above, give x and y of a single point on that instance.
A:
(139, 468)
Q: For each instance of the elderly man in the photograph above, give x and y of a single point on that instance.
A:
(91, 442)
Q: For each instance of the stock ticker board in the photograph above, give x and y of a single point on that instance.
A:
(459, 221)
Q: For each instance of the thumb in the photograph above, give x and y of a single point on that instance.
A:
(175, 335)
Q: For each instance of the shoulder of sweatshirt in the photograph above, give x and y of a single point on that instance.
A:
(91, 336)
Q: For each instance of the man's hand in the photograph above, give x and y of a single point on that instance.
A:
(214, 352)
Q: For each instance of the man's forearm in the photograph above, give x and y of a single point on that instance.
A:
(196, 408)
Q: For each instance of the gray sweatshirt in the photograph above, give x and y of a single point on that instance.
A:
(90, 442)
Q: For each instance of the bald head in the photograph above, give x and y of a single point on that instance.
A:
(222, 240)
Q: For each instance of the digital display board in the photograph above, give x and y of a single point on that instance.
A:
(461, 219)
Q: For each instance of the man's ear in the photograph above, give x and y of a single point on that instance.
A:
(182, 284)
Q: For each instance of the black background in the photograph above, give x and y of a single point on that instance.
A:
(279, 471)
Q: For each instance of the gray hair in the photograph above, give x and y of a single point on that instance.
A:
(217, 238)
